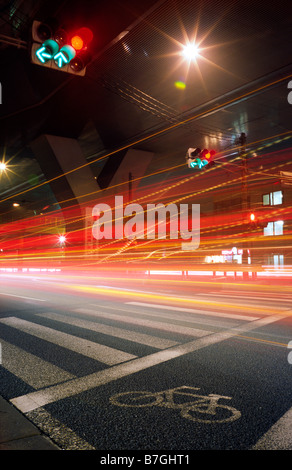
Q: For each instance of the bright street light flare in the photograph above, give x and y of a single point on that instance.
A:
(191, 51)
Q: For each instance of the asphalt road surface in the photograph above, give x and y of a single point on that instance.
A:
(125, 365)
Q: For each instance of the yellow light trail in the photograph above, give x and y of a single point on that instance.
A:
(266, 341)
(177, 184)
(173, 299)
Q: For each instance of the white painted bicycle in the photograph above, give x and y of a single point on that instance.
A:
(201, 408)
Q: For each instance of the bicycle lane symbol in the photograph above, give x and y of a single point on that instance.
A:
(198, 408)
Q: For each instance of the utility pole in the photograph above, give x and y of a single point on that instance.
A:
(242, 153)
(244, 194)
(130, 186)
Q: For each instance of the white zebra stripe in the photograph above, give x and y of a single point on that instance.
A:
(30, 368)
(196, 311)
(141, 338)
(82, 346)
(155, 324)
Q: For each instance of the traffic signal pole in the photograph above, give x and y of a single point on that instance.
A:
(242, 152)
(244, 198)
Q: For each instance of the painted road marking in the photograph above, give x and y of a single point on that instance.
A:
(189, 331)
(267, 298)
(52, 394)
(22, 297)
(82, 346)
(203, 408)
(196, 311)
(128, 335)
(27, 367)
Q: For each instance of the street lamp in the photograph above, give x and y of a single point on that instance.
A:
(3, 166)
(191, 51)
(62, 240)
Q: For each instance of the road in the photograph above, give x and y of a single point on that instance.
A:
(115, 364)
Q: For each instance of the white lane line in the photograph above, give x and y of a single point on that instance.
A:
(196, 311)
(250, 297)
(55, 393)
(128, 335)
(22, 297)
(187, 318)
(279, 436)
(82, 346)
(31, 369)
(164, 326)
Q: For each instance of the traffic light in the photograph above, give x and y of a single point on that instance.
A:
(207, 156)
(197, 158)
(55, 48)
(254, 222)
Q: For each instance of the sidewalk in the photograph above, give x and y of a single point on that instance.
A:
(18, 433)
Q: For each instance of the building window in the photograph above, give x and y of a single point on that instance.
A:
(276, 260)
(274, 228)
(273, 199)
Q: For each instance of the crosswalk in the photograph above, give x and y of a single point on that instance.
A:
(158, 328)
(52, 354)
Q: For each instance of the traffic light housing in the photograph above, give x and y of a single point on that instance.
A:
(207, 156)
(57, 49)
(197, 158)
(254, 222)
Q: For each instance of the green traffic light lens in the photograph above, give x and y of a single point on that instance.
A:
(52, 46)
(69, 51)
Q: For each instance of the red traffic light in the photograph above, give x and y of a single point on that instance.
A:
(207, 154)
(81, 39)
(77, 43)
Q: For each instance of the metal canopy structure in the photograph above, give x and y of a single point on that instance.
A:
(129, 88)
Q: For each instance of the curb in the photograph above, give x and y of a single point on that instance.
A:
(18, 433)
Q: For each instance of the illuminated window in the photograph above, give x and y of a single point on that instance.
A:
(276, 260)
(273, 199)
(274, 228)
